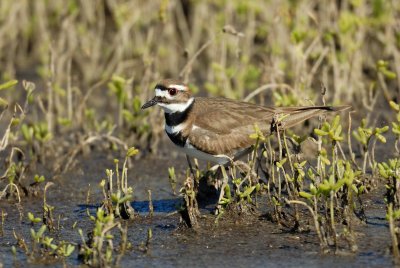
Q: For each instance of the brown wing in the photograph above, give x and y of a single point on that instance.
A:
(223, 126)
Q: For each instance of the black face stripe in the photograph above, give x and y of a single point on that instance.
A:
(161, 87)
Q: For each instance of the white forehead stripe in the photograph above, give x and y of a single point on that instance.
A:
(175, 107)
(162, 93)
(178, 87)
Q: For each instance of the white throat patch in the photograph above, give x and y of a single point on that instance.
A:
(175, 107)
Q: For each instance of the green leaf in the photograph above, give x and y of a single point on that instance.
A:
(394, 106)
(325, 160)
(118, 79)
(70, 249)
(389, 74)
(8, 84)
(281, 163)
(41, 230)
(305, 195)
(253, 136)
(227, 192)
(381, 130)
(355, 189)
(39, 179)
(247, 192)
(320, 132)
(132, 151)
(381, 138)
(126, 198)
(33, 234)
(325, 188)
(3, 103)
(336, 122)
(338, 131)
(313, 190)
(32, 218)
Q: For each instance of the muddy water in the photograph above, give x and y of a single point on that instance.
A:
(254, 242)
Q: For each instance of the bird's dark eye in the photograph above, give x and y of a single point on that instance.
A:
(172, 91)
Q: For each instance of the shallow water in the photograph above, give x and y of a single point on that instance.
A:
(253, 242)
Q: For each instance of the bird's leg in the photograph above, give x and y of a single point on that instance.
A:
(195, 182)
(222, 189)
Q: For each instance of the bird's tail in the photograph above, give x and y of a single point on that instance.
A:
(296, 115)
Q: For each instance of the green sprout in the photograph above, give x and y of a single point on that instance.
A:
(99, 249)
(396, 125)
(33, 219)
(172, 179)
(364, 135)
(117, 199)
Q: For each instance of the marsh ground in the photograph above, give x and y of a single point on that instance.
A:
(251, 241)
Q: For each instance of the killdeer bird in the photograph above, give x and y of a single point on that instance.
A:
(218, 129)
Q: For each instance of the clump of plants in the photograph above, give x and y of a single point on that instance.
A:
(99, 249)
(329, 189)
(117, 194)
(367, 136)
(12, 180)
(43, 247)
(390, 172)
(190, 209)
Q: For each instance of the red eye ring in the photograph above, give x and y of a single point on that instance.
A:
(172, 91)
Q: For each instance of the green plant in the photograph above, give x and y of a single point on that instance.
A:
(48, 217)
(42, 246)
(172, 178)
(33, 219)
(117, 199)
(99, 249)
(390, 171)
(14, 173)
(189, 211)
(396, 125)
(364, 135)
(335, 197)
(393, 216)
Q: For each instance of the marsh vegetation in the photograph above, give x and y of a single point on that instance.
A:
(89, 178)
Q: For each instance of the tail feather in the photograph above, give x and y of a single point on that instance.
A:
(300, 114)
(325, 108)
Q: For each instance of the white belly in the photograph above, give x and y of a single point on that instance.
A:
(193, 152)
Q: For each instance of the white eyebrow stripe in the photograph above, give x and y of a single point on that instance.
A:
(178, 87)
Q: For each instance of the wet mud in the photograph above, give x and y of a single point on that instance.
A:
(251, 241)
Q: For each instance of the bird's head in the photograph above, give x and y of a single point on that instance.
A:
(171, 95)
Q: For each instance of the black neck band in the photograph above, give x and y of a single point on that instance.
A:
(174, 119)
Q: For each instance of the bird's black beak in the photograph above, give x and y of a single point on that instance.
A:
(150, 103)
